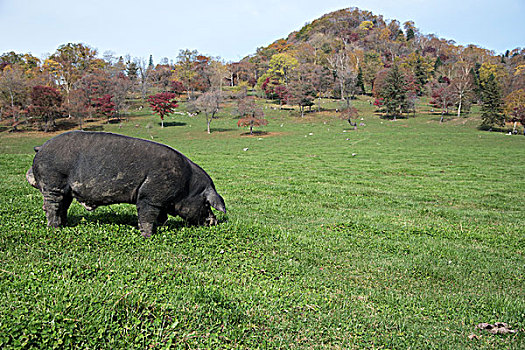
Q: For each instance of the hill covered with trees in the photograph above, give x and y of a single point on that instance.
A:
(340, 55)
(351, 52)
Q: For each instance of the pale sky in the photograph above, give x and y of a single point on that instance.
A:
(234, 29)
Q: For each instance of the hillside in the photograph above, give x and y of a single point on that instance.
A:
(353, 47)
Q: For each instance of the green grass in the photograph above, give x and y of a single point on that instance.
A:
(402, 234)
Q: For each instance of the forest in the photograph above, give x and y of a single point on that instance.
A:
(341, 55)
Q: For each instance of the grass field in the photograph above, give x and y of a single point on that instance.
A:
(401, 234)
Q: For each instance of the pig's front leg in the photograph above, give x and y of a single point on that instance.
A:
(147, 216)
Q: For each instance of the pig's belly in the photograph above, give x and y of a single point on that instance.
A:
(94, 192)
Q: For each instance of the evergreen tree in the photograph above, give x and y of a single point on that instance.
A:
(151, 65)
(394, 92)
(131, 70)
(360, 83)
(420, 75)
(477, 81)
(410, 34)
(491, 108)
(437, 64)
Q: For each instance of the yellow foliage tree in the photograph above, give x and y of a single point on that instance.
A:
(487, 69)
(366, 25)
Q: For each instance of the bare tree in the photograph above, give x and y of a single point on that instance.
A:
(209, 104)
(144, 75)
(461, 82)
(339, 64)
(14, 90)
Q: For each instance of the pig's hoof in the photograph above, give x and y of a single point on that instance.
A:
(211, 222)
(146, 229)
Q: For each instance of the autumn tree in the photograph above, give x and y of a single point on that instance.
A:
(218, 73)
(69, 63)
(491, 108)
(80, 105)
(209, 104)
(45, 105)
(195, 71)
(514, 107)
(177, 87)
(104, 105)
(251, 114)
(184, 68)
(161, 76)
(14, 91)
(302, 94)
(281, 67)
(421, 67)
(121, 86)
(281, 92)
(163, 104)
(27, 63)
(442, 96)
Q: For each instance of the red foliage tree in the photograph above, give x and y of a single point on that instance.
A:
(378, 102)
(104, 105)
(282, 94)
(251, 114)
(177, 87)
(442, 96)
(46, 102)
(163, 104)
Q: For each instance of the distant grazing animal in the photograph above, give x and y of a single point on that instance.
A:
(98, 168)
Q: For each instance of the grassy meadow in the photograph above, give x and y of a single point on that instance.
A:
(400, 234)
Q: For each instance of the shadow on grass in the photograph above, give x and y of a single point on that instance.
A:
(172, 124)
(255, 133)
(64, 124)
(94, 128)
(127, 219)
(221, 130)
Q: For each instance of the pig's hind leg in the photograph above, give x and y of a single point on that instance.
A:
(56, 204)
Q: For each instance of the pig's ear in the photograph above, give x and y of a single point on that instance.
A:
(215, 200)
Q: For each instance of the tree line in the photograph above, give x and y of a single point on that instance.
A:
(75, 83)
(341, 55)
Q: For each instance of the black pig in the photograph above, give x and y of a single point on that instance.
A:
(98, 168)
